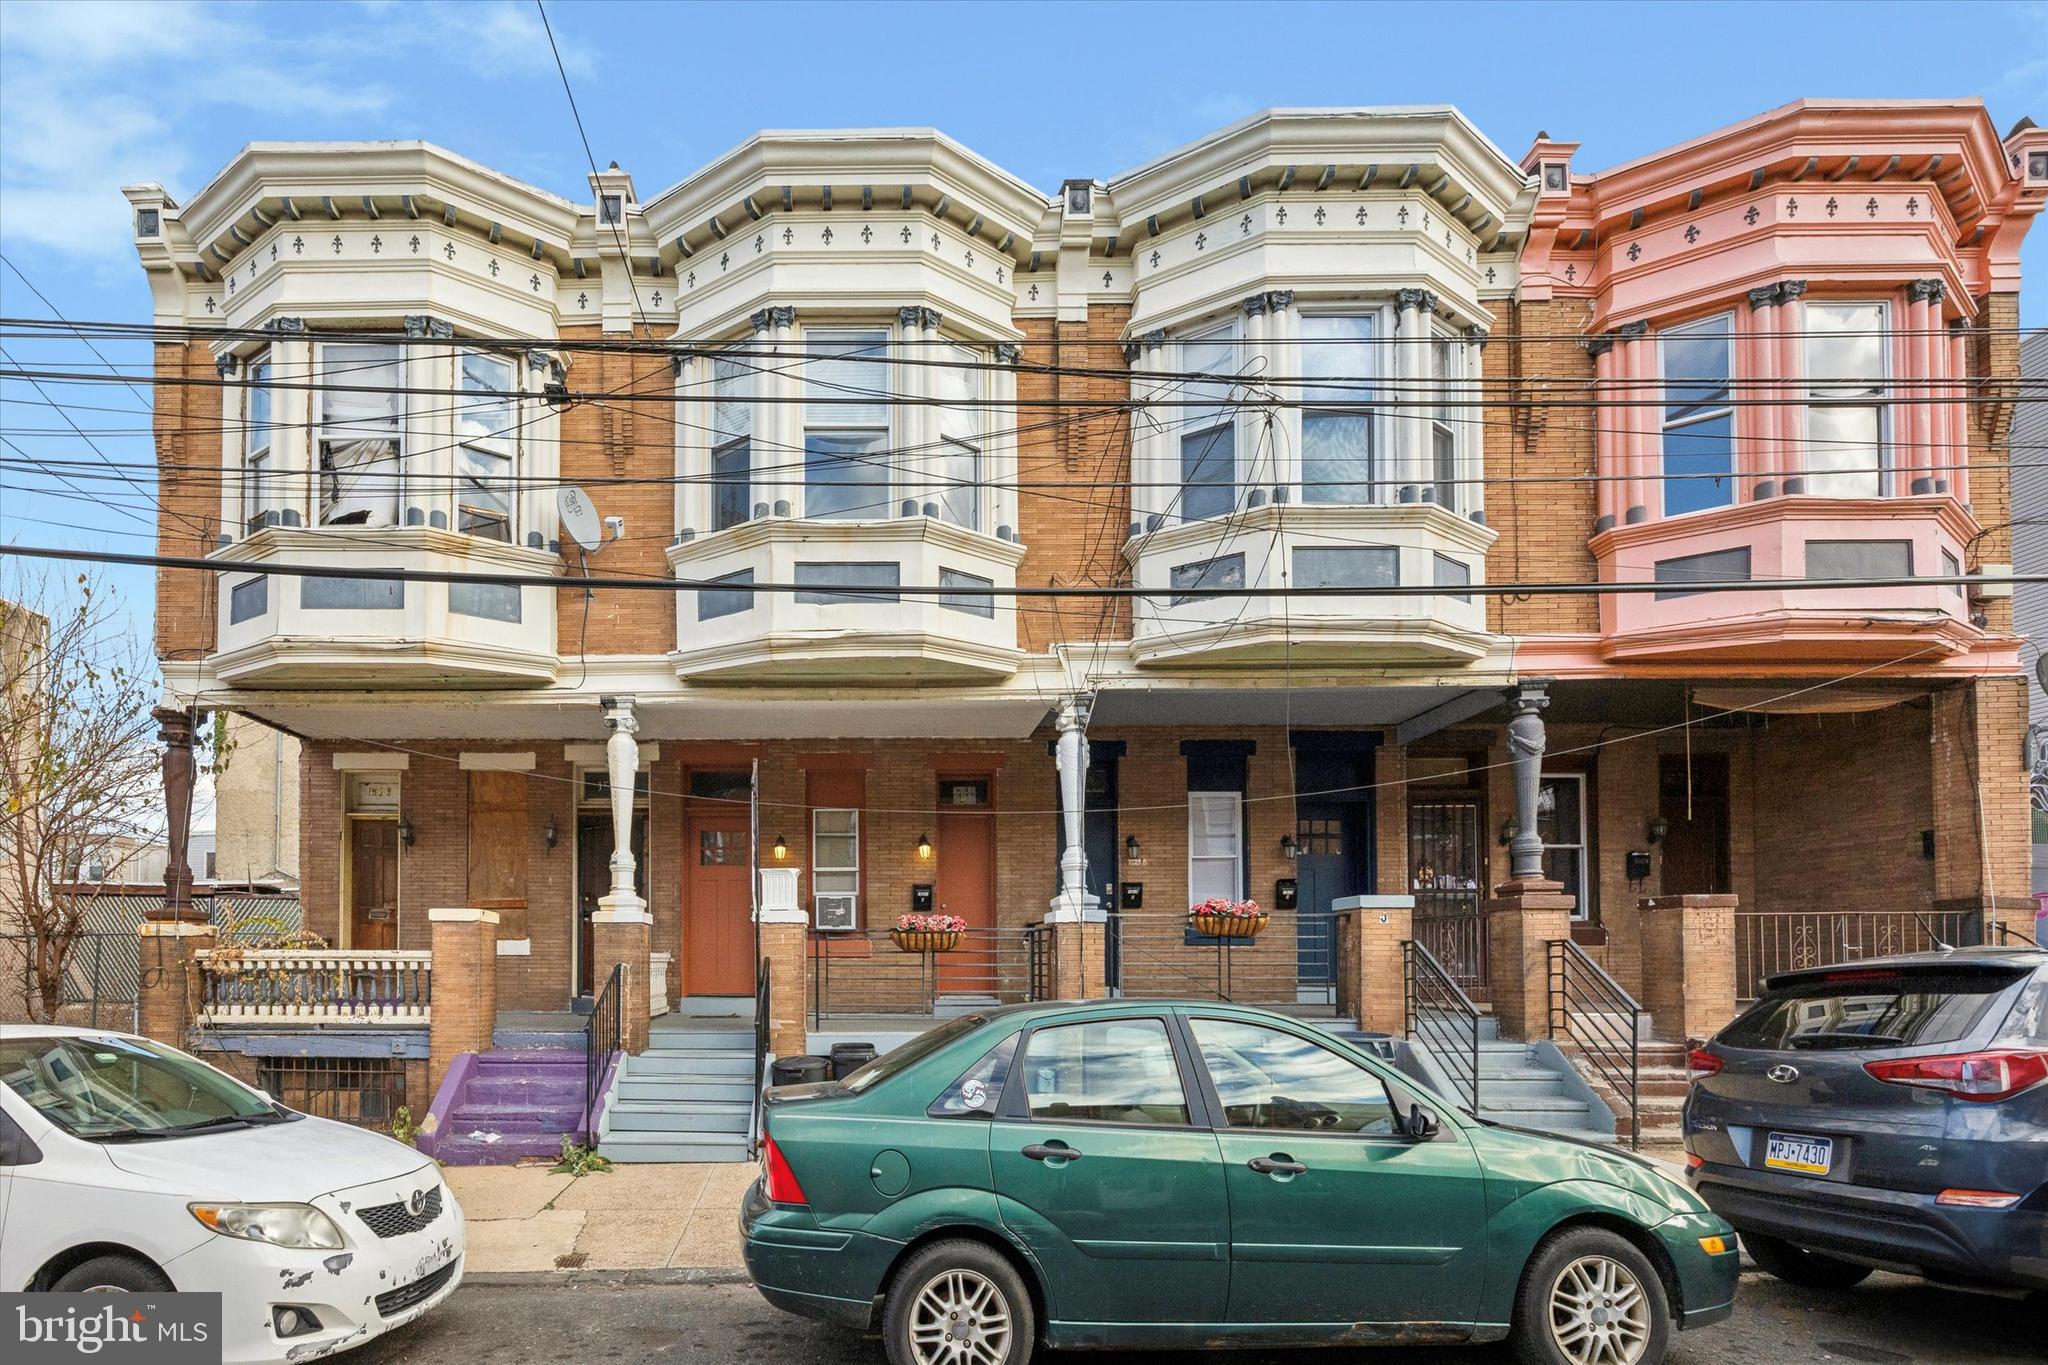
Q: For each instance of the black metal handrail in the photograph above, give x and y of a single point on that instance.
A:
(762, 1004)
(1441, 1015)
(1590, 1009)
(2005, 936)
(600, 1041)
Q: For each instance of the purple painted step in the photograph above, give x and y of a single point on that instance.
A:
(504, 1105)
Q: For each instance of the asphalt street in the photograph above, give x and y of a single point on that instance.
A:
(1888, 1320)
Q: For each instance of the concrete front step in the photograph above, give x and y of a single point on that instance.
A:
(637, 1147)
(707, 1063)
(689, 1039)
(655, 1117)
(633, 1087)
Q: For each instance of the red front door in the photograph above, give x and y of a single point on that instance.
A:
(967, 888)
(718, 927)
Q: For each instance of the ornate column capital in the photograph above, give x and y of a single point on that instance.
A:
(1073, 711)
(1477, 335)
(1631, 331)
(1132, 349)
(1279, 299)
(1008, 353)
(1763, 296)
(1254, 306)
(1933, 291)
(783, 317)
(762, 319)
(424, 325)
(289, 326)
(1598, 344)
(916, 317)
(1790, 290)
(1412, 298)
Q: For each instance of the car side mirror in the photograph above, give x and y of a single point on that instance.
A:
(1421, 1125)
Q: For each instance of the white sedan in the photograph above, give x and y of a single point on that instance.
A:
(128, 1165)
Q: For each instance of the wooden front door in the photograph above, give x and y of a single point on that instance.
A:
(967, 887)
(718, 927)
(1692, 796)
(373, 884)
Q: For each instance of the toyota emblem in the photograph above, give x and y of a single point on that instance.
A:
(418, 1202)
(1782, 1074)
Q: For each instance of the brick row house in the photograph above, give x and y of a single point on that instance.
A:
(867, 364)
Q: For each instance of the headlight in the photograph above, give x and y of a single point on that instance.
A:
(283, 1225)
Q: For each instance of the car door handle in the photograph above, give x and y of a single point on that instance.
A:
(1038, 1151)
(1275, 1165)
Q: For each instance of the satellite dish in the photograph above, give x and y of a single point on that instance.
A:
(579, 517)
(2041, 671)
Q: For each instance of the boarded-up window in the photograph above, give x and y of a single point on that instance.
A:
(497, 848)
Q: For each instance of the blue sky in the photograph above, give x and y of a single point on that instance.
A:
(94, 96)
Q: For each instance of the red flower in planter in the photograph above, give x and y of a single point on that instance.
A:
(930, 924)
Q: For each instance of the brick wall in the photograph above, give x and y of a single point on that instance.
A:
(188, 444)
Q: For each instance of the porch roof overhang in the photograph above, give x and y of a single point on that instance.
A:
(1413, 712)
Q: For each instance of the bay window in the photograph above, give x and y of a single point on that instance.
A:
(1208, 441)
(1845, 369)
(1699, 415)
(1338, 445)
(360, 425)
(485, 426)
(846, 426)
(956, 462)
(732, 441)
(257, 466)
(1447, 368)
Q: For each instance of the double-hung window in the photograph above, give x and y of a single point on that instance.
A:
(1447, 367)
(1208, 432)
(846, 426)
(1845, 375)
(1699, 415)
(835, 851)
(486, 431)
(1338, 450)
(256, 463)
(1215, 845)
(1561, 824)
(732, 440)
(361, 432)
(956, 462)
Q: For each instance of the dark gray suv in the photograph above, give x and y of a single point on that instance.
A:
(1890, 1113)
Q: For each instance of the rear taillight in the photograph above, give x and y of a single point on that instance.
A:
(782, 1186)
(1693, 1161)
(1982, 1077)
(1701, 1062)
(1977, 1199)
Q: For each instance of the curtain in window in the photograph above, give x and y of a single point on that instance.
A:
(361, 428)
(1336, 443)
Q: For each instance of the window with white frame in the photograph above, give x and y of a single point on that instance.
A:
(732, 440)
(1447, 368)
(257, 467)
(835, 851)
(1845, 376)
(1215, 845)
(1561, 825)
(956, 463)
(485, 429)
(360, 424)
(1338, 442)
(1699, 414)
(1208, 430)
(846, 426)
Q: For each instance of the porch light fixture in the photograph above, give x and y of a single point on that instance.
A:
(1659, 827)
(924, 848)
(549, 835)
(405, 831)
(781, 849)
(1288, 848)
(1131, 849)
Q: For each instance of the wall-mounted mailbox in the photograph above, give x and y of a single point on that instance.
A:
(1286, 893)
(1131, 896)
(921, 898)
(1637, 864)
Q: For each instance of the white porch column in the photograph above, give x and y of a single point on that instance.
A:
(622, 905)
(1073, 904)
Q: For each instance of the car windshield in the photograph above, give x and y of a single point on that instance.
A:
(110, 1089)
(911, 1053)
(1869, 1008)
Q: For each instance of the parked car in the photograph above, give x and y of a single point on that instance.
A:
(128, 1165)
(1890, 1113)
(1124, 1174)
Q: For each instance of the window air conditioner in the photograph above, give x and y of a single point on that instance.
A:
(835, 912)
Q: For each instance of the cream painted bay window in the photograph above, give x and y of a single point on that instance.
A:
(486, 425)
(1845, 368)
(846, 426)
(257, 466)
(1339, 447)
(1208, 431)
(956, 463)
(359, 408)
(1446, 420)
(732, 441)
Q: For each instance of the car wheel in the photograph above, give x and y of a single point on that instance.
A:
(112, 1275)
(958, 1303)
(1797, 1265)
(1590, 1297)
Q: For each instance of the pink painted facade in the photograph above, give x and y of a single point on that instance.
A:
(1867, 239)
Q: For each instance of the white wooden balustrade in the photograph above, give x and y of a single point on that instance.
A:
(322, 987)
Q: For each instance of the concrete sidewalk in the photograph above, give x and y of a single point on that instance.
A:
(524, 1219)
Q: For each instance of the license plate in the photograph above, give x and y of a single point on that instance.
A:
(1807, 1155)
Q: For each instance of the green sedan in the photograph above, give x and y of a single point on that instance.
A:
(1146, 1174)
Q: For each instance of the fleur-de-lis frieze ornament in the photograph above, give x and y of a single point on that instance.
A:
(1489, 274)
(788, 236)
(533, 282)
(906, 234)
(760, 242)
(935, 241)
(231, 284)
(1034, 293)
(1155, 260)
(1362, 215)
(1751, 216)
(1244, 225)
(970, 260)
(692, 281)
(1321, 214)
(1425, 220)
(1871, 207)
(867, 234)
(210, 305)
(1635, 251)
(1831, 205)
(1000, 275)
(1201, 240)
(1692, 233)
(1791, 208)
(298, 246)
(826, 236)
(415, 244)
(1280, 215)
(493, 267)
(1402, 216)
(252, 270)
(377, 245)
(583, 300)
(1913, 207)
(1105, 279)
(273, 249)
(1571, 273)
(724, 259)
(657, 298)
(337, 244)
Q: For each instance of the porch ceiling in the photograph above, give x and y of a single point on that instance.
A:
(1364, 708)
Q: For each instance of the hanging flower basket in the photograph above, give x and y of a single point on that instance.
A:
(1219, 918)
(928, 933)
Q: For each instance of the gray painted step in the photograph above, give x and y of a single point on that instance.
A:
(689, 1039)
(694, 1064)
(650, 1117)
(681, 1088)
(633, 1147)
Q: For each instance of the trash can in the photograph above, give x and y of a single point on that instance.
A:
(848, 1058)
(799, 1070)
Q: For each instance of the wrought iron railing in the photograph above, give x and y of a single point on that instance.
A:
(600, 1041)
(1038, 962)
(1602, 1022)
(763, 1002)
(323, 987)
(1442, 1017)
(1770, 941)
(1160, 957)
(864, 972)
(2005, 936)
